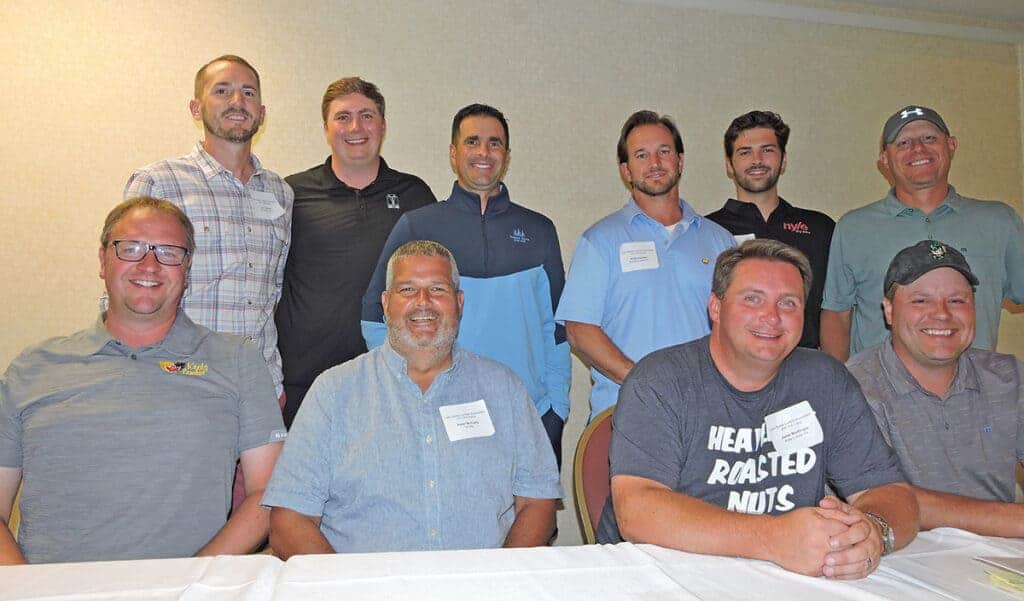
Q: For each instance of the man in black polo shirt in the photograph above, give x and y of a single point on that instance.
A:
(344, 210)
(755, 158)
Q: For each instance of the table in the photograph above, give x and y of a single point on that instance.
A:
(937, 565)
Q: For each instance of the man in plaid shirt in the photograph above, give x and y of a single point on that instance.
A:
(241, 211)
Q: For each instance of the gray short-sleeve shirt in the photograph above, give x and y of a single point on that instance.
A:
(968, 443)
(679, 422)
(129, 453)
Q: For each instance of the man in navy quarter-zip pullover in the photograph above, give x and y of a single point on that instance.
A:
(510, 262)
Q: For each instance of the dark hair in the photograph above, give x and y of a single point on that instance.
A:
(351, 85)
(754, 120)
(228, 58)
(647, 118)
(146, 202)
(474, 110)
(760, 248)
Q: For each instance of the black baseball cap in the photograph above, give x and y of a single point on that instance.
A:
(909, 114)
(915, 261)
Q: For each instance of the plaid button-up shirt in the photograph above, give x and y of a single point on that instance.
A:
(243, 232)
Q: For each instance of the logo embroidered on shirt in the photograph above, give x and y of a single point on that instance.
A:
(798, 228)
(519, 235)
(392, 200)
(184, 368)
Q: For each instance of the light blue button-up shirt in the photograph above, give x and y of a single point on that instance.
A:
(647, 308)
(370, 454)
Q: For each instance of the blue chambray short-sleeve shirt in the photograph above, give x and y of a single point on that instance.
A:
(648, 308)
(369, 453)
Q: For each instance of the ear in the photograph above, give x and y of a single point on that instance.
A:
(714, 308)
(624, 172)
(682, 161)
(102, 256)
(460, 297)
(195, 109)
(782, 166)
(451, 157)
(887, 311)
(384, 302)
(729, 171)
(952, 143)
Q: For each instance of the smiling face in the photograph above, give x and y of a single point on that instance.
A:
(760, 318)
(757, 161)
(229, 106)
(932, 318)
(422, 308)
(354, 130)
(919, 158)
(144, 292)
(653, 166)
(479, 155)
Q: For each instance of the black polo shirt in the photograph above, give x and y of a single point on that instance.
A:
(809, 231)
(337, 235)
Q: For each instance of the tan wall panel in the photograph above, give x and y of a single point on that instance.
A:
(93, 90)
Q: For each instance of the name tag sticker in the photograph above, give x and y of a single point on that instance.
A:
(634, 256)
(741, 238)
(468, 420)
(265, 205)
(793, 428)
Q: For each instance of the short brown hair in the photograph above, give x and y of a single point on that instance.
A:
(147, 202)
(647, 118)
(351, 85)
(761, 248)
(227, 58)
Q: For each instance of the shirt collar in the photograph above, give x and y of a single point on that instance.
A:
(471, 202)
(738, 207)
(894, 207)
(182, 339)
(397, 363)
(211, 168)
(632, 211)
(903, 382)
(333, 182)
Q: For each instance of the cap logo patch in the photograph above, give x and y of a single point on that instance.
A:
(937, 251)
(911, 111)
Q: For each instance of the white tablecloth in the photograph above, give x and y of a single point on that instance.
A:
(937, 565)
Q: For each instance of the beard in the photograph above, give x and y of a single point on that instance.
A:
(403, 341)
(657, 190)
(238, 136)
(755, 187)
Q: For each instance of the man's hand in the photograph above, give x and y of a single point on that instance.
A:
(855, 552)
(804, 538)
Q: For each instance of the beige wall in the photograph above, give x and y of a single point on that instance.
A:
(91, 91)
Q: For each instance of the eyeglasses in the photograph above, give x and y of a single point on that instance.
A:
(908, 142)
(134, 251)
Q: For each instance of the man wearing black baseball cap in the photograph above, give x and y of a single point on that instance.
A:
(954, 415)
(917, 150)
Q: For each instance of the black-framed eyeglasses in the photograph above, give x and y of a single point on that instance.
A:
(134, 251)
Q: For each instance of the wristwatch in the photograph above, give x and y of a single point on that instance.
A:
(888, 536)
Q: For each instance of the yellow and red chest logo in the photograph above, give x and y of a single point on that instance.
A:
(184, 368)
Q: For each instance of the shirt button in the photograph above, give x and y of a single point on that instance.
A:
(433, 533)
(249, 229)
(432, 483)
(250, 265)
(134, 358)
(429, 439)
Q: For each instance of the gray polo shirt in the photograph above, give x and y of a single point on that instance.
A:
(130, 453)
(988, 233)
(967, 444)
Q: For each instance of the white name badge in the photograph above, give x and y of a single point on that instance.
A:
(265, 205)
(634, 256)
(468, 420)
(793, 428)
(741, 238)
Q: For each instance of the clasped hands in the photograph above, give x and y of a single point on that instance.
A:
(834, 540)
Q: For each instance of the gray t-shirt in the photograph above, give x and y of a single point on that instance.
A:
(130, 453)
(680, 423)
